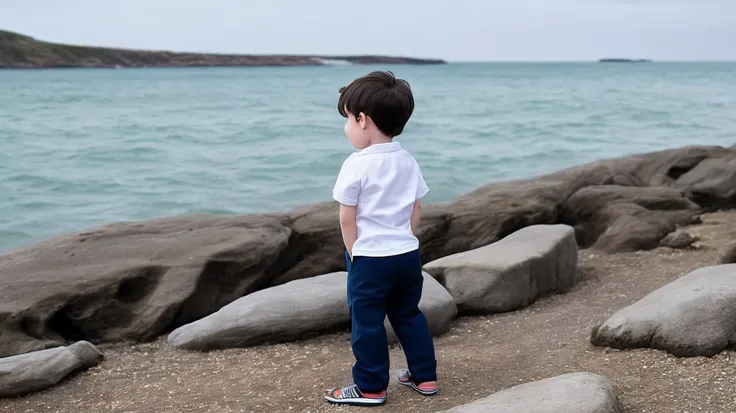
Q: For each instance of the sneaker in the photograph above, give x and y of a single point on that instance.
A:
(353, 396)
(427, 388)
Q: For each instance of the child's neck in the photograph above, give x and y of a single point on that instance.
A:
(377, 140)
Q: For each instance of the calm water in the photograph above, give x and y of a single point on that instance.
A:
(85, 147)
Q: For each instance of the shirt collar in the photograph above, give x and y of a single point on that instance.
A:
(381, 148)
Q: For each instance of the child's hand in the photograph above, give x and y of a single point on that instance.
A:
(348, 260)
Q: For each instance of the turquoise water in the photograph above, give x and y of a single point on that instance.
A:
(85, 147)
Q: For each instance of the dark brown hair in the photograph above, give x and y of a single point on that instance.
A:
(388, 101)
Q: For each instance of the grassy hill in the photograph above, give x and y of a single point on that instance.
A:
(20, 51)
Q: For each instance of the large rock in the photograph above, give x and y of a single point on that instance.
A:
(496, 210)
(316, 246)
(692, 316)
(296, 310)
(133, 281)
(31, 372)
(711, 184)
(620, 218)
(728, 254)
(569, 393)
(511, 273)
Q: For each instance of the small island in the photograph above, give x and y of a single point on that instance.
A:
(623, 60)
(18, 51)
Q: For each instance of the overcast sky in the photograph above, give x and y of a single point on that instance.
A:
(457, 30)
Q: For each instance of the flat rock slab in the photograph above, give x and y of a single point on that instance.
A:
(38, 370)
(569, 393)
(692, 316)
(296, 310)
(512, 273)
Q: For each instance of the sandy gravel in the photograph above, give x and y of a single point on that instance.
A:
(480, 355)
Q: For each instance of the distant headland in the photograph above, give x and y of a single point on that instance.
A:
(18, 51)
(623, 60)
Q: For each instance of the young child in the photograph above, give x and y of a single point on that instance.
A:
(378, 189)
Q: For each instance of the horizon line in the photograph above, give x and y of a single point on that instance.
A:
(337, 55)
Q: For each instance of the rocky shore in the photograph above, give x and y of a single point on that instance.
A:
(18, 51)
(560, 262)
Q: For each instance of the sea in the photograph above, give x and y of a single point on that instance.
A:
(85, 147)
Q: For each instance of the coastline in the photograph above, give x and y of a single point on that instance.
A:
(19, 51)
(267, 250)
(632, 224)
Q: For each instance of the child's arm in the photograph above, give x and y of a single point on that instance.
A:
(348, 226)
(346, 192)
(416, 213)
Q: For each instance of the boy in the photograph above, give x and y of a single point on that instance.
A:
(378, 189)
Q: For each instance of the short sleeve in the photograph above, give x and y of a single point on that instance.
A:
(422, 188)
(347, 188)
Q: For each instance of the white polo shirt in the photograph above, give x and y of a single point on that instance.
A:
(384, 181)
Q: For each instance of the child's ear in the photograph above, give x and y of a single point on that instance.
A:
(363, 119)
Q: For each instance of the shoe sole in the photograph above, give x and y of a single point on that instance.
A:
(356, 402)
(413, 386)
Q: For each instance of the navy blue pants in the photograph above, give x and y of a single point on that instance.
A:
(380, 287)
